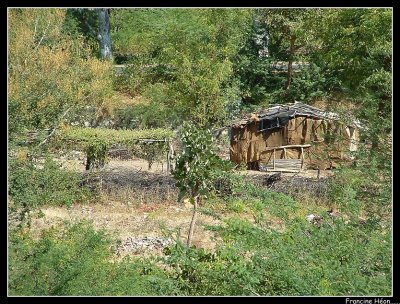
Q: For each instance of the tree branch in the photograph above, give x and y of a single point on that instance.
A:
(91, 29)
(59, 121)
(34, 33)
(44, 34)
(54, 128)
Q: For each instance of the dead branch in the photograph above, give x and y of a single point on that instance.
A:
(44, 34)
(54, 128)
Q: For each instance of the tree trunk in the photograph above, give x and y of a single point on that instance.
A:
(290, 62)
(87, 164)
(104, 34)
(193, 222)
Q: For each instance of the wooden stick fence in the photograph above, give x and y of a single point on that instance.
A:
(287, 165)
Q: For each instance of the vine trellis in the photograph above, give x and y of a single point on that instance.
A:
(148, 144)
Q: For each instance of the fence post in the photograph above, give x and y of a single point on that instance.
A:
(169, 156)
(274, 160)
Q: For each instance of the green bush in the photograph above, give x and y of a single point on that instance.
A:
(339, 258)
(343, 190)
(31, 187)
(198, 272)
(153, 115)
(76, 260)
(308, 84)
(335, 259)
(132, 80)
(237, 206)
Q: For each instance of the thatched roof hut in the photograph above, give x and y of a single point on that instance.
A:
(291, 137)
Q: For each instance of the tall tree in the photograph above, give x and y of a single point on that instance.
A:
(357, 43)
(94, 25)
(286, 29)
(189, 55)
(104, 34)
(51, 73)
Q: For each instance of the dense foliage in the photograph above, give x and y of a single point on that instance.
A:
(50, 74)
(84, 136)
(75, 260)
(198, 164)
(341, 257)
(199, 68)
(182, 57)
(33, 185)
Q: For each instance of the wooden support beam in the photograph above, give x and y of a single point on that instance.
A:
(148, 140)
(302, 158)
(274, 160)
(284, 170)
(288, 147)
(169, 157)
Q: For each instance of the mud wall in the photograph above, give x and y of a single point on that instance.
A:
(329, 140)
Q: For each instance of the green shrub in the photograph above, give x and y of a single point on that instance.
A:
(343, 188)
(198, 272)
(338, 258)
(96, 154)
(237, 206)
(335, 259)
(31, 187)
(157, 113)
(132, 80)
(278, 204)
(75, 260)
(151, 115)
(308, 85)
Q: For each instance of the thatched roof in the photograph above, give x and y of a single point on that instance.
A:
(287, 111)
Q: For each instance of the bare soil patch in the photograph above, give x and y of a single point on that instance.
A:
(126, 221)
(139, 207)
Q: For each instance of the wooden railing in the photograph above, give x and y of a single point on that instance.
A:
(284, 149)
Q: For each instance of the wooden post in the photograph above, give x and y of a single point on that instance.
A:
(274, 160)
(168, 168)
(168, 153)
(302, 158)
(169, 157)
(284, 151)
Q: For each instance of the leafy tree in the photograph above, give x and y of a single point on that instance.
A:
(278, 37)
(195, 167)
(287, 34)
(189, 52)
(357, 45)
(51, 74)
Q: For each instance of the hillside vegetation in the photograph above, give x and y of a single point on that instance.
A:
(182, 73)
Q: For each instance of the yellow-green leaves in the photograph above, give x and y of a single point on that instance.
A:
(79, 135)
(50, 71)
